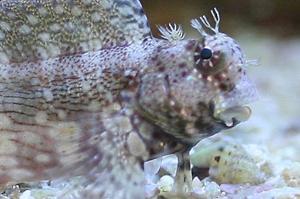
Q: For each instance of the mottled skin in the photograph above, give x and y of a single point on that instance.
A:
(86, 90)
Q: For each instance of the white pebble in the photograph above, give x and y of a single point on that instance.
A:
(165, 183)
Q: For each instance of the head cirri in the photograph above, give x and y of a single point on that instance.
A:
(195, 88)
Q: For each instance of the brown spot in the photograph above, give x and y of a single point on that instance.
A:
(204, 76)
(161, 68)
(232, 51)
(218, 77)
(223, 87)
(159, 49)
(182, 65)
(4, 179)
(217, 158)
(201, 173)
(190, 45)
(184, 74)
(154, 58)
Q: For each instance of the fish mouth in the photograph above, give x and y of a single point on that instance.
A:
(233, 115)
(231, 107)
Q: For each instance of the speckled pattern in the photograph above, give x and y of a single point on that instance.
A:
(86, 90)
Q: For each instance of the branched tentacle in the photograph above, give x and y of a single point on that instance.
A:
(172, 32)
(198, 23)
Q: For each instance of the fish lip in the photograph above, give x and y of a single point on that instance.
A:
(231, 116)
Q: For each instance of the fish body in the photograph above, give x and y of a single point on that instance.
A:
(86, 90)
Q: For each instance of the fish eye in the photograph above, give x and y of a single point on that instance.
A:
(206, 53)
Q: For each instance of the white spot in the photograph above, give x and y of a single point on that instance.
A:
(135, 145)
(44, 36)
(48, 95)
(124, 123)
(109, 97)
(38, 94)
(19, 46)
(33, 20)
(172, 103)
(116, 124)
(53, 50)
(96, 17)
(69, 131)
(2, 35)
(5, 121)
(100, 88)
(35, 81)
(8, 161)
(69, 161)
(43, 11)
(99, 72)
(94, 106)
(59, 9)
(7, 146)
(76, 11)
(128, 72)
(209, 78)
(94, 43)
(84, 46)
(42, 52)
(224, 75)
(43, 158)
(11, 15)
(20, 174)
(128, 112)
(41, 117)
(165, 183)
(69, 26)
(109, 110)
(55, 27)
(61, 114)
(4, 26)
(24, 29)
(30, 138)
(86, 86)
(4, 58)
(183, 112)
(190, 78)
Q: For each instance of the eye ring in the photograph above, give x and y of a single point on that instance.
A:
(206, 53)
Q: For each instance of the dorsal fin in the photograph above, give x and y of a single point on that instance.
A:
(39, 29)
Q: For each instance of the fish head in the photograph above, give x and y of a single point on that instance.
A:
(194, 88)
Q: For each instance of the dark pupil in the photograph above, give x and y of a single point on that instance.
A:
(206, 53)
